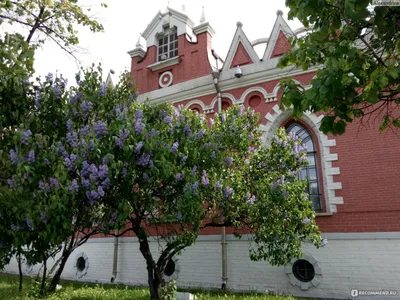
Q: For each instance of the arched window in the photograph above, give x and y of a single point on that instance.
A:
(310, 173)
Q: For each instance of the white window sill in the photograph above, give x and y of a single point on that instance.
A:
(165, 63)
(325, 214)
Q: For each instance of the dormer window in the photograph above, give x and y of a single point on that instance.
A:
(168, 44)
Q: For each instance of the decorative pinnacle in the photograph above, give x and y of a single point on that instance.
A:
(279, 12)
(138, 43)
(239, 24)
(203, 16)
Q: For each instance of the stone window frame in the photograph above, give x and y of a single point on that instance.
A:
(80, 274)
(172, 43)
(304, 286)
(174, 275)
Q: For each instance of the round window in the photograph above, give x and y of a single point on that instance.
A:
(169, 268)
(81, 264)
(303, 270)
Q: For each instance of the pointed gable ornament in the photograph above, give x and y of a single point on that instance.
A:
(203, 16)
(241, 52)
(278, 41)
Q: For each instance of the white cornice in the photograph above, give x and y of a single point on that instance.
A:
(137, 52)
(165, 63)
(203, 86)
(204, 27)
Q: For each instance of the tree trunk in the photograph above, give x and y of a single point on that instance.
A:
(154, 274)
(42, 291)
(20, 272)
(57, 275)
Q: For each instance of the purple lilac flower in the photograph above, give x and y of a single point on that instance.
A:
(86, 106)
(44, 186)
(229, 161)
(10, 182)
(43, 216)
(167, 120)
(25, 137)
(213, 156)
(241, 110)
(57, 91)
(31, 157)
(100, 129)
(15, 227)
(204, 179)
(85, 168)
(103, 89)
(139, 126)
(227, 192)
(102, 172)
(139, 147)
(276, 237)
(179, 177)
(73, 157)
(105, 184)
(223, 118)
(138, 114)
(195, 187)
(72, 139)
(252, 112)
(74, 187)
(53, 182)
(69, 125)
(324, 243)
(144, 160)
(200, 134)
(105, 159)
(85, 131)
(26, 176)
(211, 120)
(13, 157)
(85, 183)
(252, 199)
(100, 192)
(187, 130)
(123, 172)
(194, 170)
(146, 177)
(29, 223)
(218, 185)
(183, 159)
(306, 221)
(123, 135)
(37, 99)
(174, 147)
(92, 145)
(49, 77)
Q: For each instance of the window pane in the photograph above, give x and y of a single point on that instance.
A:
(160, 42)
(311, 159)
(316, 201)
(165, 40)
(310, 146)
(303, 174)
(313, 188)
(312, 174)
(171, 54)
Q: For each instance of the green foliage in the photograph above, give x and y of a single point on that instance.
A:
(168, 292)
(356, 48)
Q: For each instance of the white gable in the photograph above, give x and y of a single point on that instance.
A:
(171, 18)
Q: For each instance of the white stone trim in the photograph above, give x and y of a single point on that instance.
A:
(80, 274)
(277, 117)
(165, 63)
(172, 18)
(204, 27)
(251, 90)
(304, 286)
(175, 275)
(161, 79)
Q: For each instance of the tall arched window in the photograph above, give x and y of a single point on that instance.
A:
(310, 173)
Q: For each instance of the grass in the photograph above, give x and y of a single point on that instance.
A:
(82, 291)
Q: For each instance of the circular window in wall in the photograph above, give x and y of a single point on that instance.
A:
(81, 265)
(304, 272)
(172, 269)
(254, 101)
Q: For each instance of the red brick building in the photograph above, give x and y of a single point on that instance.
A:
(353, 179)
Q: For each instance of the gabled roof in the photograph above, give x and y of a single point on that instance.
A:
(240, 43)
(171, 17)
(279, 35)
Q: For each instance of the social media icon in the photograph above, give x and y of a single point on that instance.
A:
(354, 293)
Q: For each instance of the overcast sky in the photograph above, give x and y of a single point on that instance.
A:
(124, 20)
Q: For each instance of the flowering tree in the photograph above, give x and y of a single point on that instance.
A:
(93, 160)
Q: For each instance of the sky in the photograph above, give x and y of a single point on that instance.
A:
(124, 20)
